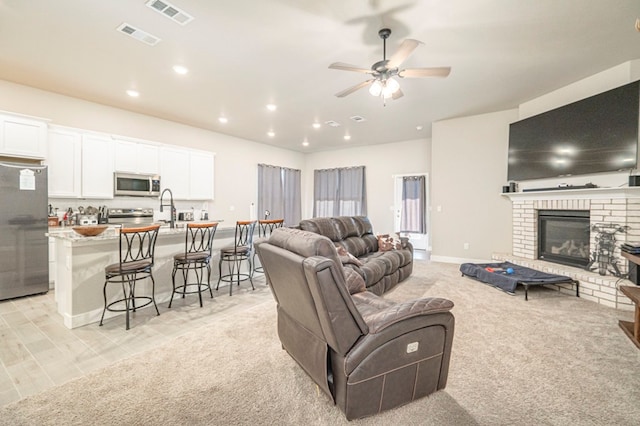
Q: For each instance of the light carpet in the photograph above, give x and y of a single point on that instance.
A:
(554, 360)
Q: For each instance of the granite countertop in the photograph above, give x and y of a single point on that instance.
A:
(113, 232)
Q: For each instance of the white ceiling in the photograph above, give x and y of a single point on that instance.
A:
(243, 54)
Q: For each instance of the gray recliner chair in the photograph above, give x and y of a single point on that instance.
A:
(368, 354)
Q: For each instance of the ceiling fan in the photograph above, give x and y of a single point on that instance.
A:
(383, 84)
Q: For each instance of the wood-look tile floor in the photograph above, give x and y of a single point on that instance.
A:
(37, 352)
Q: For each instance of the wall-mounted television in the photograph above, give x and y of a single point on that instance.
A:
(593, 135)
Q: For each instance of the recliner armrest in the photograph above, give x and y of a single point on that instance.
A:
(384, 318)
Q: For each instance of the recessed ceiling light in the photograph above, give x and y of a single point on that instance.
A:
(305, 143)
(332, 123)
(271, 133)
(418, 128)
(179, 69)
(133, 93)
(347, 137)
(316, 125)
(272, 107)
(223, 120)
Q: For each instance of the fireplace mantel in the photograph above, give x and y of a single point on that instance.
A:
(576, 194)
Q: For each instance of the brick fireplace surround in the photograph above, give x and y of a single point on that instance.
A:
(620, 206)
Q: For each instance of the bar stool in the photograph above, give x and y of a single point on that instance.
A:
(265, 228)
(137, 246)
(234, 256)
(198, 244)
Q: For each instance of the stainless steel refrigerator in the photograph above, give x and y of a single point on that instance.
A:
(24, 249)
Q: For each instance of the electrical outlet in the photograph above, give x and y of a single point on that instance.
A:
(466, 246)
(232, 208)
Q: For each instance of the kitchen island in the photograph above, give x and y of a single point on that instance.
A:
(80, 263)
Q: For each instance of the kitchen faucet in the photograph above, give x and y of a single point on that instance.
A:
(172, 223)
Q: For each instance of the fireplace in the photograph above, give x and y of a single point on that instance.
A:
(563, 237)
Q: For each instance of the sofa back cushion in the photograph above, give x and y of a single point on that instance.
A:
(354, 233)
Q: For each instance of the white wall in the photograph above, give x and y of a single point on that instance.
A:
(470, 167)
(468, 171)
(235, 162)
(381, 163)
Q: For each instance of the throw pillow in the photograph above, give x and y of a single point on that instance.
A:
(355, 283)
(388, 242)
(346, 257)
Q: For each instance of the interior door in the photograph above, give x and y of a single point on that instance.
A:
(410, 205)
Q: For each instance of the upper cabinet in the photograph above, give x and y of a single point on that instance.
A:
(135, 157)
(174, 171)
(97, 166)
(201, 175)
(22, 137)
(82, 165)
(64, 163)
(188, 173)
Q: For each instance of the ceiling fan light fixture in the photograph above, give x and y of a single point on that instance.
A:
(391, 86)
(376, 88)
(385, 88)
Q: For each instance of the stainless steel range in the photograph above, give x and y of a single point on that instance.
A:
(130, 216)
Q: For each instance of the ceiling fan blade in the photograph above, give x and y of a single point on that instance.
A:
(352, 89)
(348, 67)
(397, 94)
(425, 72)
(406, 48)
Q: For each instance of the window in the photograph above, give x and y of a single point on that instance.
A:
(339, 192)
(279, 194)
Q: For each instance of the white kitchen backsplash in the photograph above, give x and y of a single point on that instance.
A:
(197, 207)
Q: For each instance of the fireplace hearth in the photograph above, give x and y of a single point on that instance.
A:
(564, 237)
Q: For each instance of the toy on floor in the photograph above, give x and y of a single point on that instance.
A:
(507, 271)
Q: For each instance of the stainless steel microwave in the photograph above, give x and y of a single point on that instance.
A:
(136, 184)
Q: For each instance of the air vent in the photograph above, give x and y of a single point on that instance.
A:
(138, 34)
(358, 119)
(170, 11)
(332, 123)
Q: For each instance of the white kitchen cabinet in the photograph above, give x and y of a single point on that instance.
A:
(52, 263)
(134, 157)
(64, 159)
(97, 166)
(23, 137)
(174, 171)
(188, 173)
(201, 175)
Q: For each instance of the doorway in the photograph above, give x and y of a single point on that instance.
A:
(411, 208)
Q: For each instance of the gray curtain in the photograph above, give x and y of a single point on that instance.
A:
(414, 195)
(339, 192)
(292, 196)
(279, 192)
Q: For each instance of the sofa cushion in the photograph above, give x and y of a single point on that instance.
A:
(355, 283)
(323, 226)
(355, 245)
(347, 227)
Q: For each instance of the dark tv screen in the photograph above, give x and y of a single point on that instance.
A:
(594, 135)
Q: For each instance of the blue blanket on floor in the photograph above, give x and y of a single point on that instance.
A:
(505, 281)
